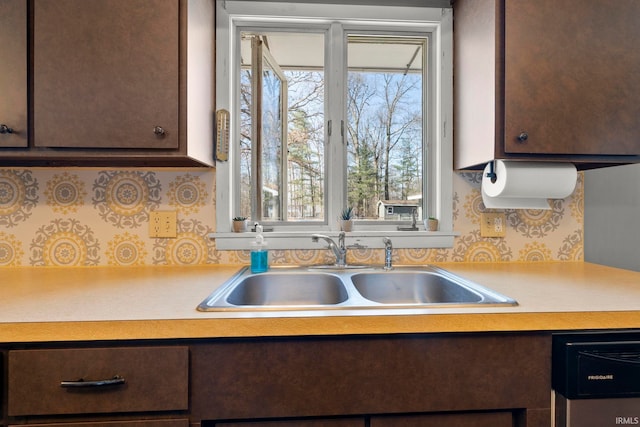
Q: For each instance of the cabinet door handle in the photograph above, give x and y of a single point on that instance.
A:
(5, 129)
(82, 383)
(159, 131)
(523, 136)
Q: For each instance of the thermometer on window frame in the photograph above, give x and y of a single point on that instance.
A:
(222, 135)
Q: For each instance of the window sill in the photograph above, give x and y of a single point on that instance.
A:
(356, 239)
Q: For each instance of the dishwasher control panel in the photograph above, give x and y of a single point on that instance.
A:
(596, 365)
(596, 379)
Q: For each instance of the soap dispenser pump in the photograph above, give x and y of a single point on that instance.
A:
(259, 252)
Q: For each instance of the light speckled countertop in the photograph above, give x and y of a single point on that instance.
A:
(102, 303)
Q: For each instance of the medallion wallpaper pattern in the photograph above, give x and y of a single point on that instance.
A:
(94, 217)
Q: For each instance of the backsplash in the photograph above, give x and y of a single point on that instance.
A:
(96, 217)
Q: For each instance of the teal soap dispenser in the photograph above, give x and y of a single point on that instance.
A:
(259, 252)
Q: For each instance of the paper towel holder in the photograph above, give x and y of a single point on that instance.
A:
(492, 172)
(524, 190)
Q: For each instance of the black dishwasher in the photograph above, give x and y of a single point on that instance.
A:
(596, 379)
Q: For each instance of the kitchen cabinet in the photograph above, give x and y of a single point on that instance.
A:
(441, 377)
(474, 419)
(50, 383)
(111, 69)
(111, 86)
(327, 422)
(546, 80)
(462, 380)
(13, 73)
(477, 419)
(140, 423)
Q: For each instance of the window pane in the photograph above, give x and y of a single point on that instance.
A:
(289, 100)
(272, 138)
(385, 126)
(306, 166)
(245, 142)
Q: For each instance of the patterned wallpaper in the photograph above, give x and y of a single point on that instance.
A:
(95, 217)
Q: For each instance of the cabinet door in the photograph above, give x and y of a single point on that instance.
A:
(144, 423)
(13, 73)
(106, 73)
(483, 419)
(285, 378)
(333, 422)
(571, 83)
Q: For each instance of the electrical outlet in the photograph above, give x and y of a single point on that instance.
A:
(163, 224)
(493, 224)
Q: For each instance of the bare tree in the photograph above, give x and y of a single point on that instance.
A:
(397, 117)
(382, 113)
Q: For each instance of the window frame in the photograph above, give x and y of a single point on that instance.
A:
(259, 57)
(231, 16)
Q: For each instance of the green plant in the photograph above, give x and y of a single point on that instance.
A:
(239, 218)
(433, 218)
(346, 214)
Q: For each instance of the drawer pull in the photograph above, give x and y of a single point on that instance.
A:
(82, 383)
(5, 129)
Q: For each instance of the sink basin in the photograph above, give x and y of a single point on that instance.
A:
(358, 288)
(288, 289)
(277, 291)
(418, 287)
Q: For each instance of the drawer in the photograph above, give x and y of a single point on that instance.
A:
(320, 422)
(143, 423)
(469, 419)
(147, 379)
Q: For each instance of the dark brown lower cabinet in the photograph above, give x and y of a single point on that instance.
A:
(421, 380)
(338, 422)
(481, 419)
(143, 423)
(466, 380)
(477, 419)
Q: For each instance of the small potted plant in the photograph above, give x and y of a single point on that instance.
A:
(431, 224)
(346, 219)
(240, 224)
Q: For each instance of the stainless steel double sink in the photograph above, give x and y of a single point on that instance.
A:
(351, 287)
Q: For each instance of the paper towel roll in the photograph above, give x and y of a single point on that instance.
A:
(527, 185)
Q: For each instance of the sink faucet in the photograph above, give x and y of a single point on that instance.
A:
(339, 250)
(388, 252)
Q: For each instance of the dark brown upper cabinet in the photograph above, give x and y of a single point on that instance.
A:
(13, 73)
(110, 84)
(548, 80)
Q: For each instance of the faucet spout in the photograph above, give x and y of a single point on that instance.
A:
(388, 253)
(339, 250)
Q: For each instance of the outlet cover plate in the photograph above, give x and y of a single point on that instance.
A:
(493, 224)
(163, 224)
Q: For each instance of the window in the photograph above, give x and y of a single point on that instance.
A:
(281, 108)
(334, 106)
